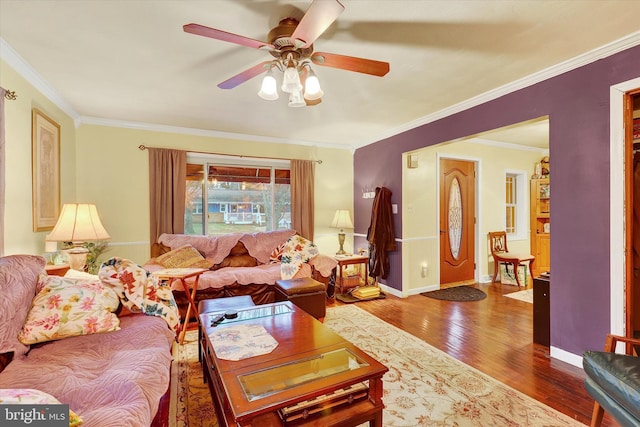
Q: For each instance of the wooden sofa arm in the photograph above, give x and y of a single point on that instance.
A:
(612, 340)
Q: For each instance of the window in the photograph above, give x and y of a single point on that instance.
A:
(516, 205)
(242, 196)
(510, 203)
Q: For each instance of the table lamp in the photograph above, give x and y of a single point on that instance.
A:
(78, 223)
(341, 220)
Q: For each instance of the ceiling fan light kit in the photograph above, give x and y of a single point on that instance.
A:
(291, 81)
(269, 90)
(312, 89)
(291, 43)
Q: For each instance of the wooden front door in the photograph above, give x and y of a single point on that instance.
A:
(457, 222)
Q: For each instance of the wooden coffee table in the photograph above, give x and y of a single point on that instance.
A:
(313, 377)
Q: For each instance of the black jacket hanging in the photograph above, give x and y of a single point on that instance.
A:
(380, 234)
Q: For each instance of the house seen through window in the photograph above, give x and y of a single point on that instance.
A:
(240, 196)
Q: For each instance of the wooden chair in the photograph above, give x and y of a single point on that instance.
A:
(501, 254)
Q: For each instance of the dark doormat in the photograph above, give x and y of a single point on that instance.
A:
(458, 293)
(348, 298)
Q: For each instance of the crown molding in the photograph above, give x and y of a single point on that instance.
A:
(88, 120)
(22, 67)
(508, 145)
(8, 54)
(605, 51)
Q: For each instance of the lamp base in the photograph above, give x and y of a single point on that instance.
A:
(341, 242)
(77, 258)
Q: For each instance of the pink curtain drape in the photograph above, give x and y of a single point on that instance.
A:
(167, 188)
(302, 197)
(2, 171)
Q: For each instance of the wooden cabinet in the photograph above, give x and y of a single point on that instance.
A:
(541, 311)
(540, 225)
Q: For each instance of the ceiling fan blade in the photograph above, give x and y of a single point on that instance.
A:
(244, 76)
(213, 33)
(351, 63)
(316, 19)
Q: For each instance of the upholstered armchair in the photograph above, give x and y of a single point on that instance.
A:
(613, 380)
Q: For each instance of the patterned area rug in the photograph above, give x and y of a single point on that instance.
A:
(424, 386)
(190, 404)
(457, 293)
(526, 295)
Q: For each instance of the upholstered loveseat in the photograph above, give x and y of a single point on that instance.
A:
(240, 263)
(63, 340)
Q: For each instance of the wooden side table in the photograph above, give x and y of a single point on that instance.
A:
(183, 274)
(343, 282)
(56, 269)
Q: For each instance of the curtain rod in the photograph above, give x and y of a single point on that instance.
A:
(143, 147)
(10, 95)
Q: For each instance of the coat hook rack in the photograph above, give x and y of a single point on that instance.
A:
(368, 193)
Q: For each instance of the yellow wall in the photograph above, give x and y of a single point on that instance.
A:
(115, 176)
(18, 224)
(420, 210)
(103, 165)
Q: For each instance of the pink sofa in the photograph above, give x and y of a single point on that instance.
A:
(108, 379)
(240, 264)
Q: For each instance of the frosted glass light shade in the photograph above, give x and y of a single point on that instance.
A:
(78, 222)
(269, 90)
(312, 90)
(291, 82)
(342, 219)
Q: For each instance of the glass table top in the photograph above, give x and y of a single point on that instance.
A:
(259, 384)
(249, 313)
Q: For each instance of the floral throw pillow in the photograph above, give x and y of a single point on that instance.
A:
(29, 396)
(68, 307)
(297, 251)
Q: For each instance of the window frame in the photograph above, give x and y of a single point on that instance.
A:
(521, 203)
(207, 160)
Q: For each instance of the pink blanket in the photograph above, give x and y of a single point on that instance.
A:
(216, 248)
(109, 379)
(260, 274)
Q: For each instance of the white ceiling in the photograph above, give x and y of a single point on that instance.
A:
(129, 62)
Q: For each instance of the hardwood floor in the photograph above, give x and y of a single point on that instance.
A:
(494, 336)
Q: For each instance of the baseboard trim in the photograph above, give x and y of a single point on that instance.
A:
(389, 290)
(565, 356)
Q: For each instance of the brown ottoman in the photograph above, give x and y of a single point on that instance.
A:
(308, 294)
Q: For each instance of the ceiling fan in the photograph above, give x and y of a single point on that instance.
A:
(291, 44)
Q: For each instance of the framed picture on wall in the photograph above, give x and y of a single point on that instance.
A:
(45, 173)
(636, 130)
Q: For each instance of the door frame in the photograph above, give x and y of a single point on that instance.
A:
(478, 201)
(618, 260)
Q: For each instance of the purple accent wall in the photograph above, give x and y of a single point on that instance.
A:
(577, 103)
